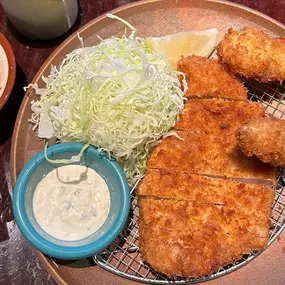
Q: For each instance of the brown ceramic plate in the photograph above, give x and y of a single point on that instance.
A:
(151, 18)
(7, 59)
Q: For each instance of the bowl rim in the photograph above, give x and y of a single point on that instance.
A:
(12, 70)
(47, 247)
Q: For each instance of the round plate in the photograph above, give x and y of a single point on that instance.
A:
(151, 18)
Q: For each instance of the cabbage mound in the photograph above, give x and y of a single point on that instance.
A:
(117, 96)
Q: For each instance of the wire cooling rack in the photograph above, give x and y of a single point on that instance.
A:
(123, 256)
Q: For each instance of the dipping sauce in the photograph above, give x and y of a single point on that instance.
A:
(4, 70)
(71, 202)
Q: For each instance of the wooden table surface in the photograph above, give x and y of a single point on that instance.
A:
(18, 264)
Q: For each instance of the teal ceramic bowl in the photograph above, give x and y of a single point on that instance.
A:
(37, 168)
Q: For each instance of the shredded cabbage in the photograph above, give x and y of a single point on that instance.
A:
(117, 96)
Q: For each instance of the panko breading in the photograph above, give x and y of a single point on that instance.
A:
(180, 238)
(201, 189)
(207, 78)
(215, 115)
(210, 145)
(193, 220)
(264, 138)
(253, 54)
(208, 154)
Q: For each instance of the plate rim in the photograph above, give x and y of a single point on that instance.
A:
(13, 161)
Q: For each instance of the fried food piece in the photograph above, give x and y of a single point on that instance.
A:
(216, 115)
(180, 238)
(202, 153)
(208, 78)
(192, 225)
(210, 145)
(253, 198)
(264, 138)
(253, 54)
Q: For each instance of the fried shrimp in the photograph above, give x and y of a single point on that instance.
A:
(253, 54)
(264, 138)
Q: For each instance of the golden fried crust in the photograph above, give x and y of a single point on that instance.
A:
(180, 238)
(207, 154)
(217, 115)
(201, 189)
(253, 54)
(209, 144)
(265, 138)
(208, 78)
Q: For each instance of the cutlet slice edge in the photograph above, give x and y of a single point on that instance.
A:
(258, 171)
(157, 247)
(212, 68)
(181, 182)
(255, 181)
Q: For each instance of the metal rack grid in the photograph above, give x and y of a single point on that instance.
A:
(123, 256)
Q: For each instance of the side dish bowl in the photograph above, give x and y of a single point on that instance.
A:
(37, 168)
(7, 70)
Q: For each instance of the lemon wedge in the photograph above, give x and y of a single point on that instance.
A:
(201, 43)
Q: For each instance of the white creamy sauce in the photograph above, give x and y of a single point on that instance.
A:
(4, 70)
(71, 202)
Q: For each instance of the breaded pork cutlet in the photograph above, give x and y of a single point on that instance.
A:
(180, 238)
(251, 198)
(208, 78)
(207, 154)
(214, 115)
(253, 54)
(211, 148)
(264, 138)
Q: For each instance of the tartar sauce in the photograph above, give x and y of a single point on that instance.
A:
(71, 202)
